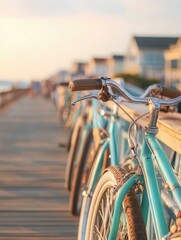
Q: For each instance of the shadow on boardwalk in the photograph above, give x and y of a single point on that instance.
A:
(33, 202)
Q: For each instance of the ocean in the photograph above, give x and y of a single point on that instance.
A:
(7, 85)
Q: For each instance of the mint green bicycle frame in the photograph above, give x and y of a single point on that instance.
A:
(115, 131)
(151, 151)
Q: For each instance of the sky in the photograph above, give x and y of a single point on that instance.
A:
(40, 37)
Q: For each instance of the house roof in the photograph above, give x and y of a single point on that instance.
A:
(118, 57)
(158, 43)
(100, 60)
(79, 63)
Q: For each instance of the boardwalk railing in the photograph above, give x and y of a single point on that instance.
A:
(7, 97)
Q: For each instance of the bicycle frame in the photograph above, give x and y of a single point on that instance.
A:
(108, 143)
(92, 122)
(150, 149)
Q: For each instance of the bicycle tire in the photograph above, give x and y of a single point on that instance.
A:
(79, 177)
(69, 139)
(87, 199)
(131, 209)
(75, 141)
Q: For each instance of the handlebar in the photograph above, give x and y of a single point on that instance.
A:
(169, 92)
(98, 83)
(65, 84)
(85, 84)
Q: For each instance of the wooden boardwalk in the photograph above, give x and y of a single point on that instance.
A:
(33, 202)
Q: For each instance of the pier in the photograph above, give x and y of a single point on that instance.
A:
(33, 201)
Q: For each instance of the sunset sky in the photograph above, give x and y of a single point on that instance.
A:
(40, 37)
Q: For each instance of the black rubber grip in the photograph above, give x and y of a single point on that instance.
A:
(85, 84)
(170, 92)
(65, 84)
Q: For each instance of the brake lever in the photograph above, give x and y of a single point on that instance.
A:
(95, 96)
(89, 96)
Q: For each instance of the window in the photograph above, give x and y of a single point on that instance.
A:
(174, 63)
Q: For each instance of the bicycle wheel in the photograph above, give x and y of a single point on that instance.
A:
(69, 139)
(81, 173)
(87, 198)
(131, 224)
(75, 141)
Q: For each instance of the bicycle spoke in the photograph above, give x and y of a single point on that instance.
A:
(104, 218)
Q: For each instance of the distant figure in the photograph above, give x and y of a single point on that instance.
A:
(36, 88)
(47, 87)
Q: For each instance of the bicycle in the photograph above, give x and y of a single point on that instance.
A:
(74, 142)
(138, 189)
(115, 134)
(85, 146)
(87, 152)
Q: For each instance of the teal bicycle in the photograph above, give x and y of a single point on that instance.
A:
(131, 204)
(110, 147)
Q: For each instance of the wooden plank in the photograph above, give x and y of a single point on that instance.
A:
(33, 201)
